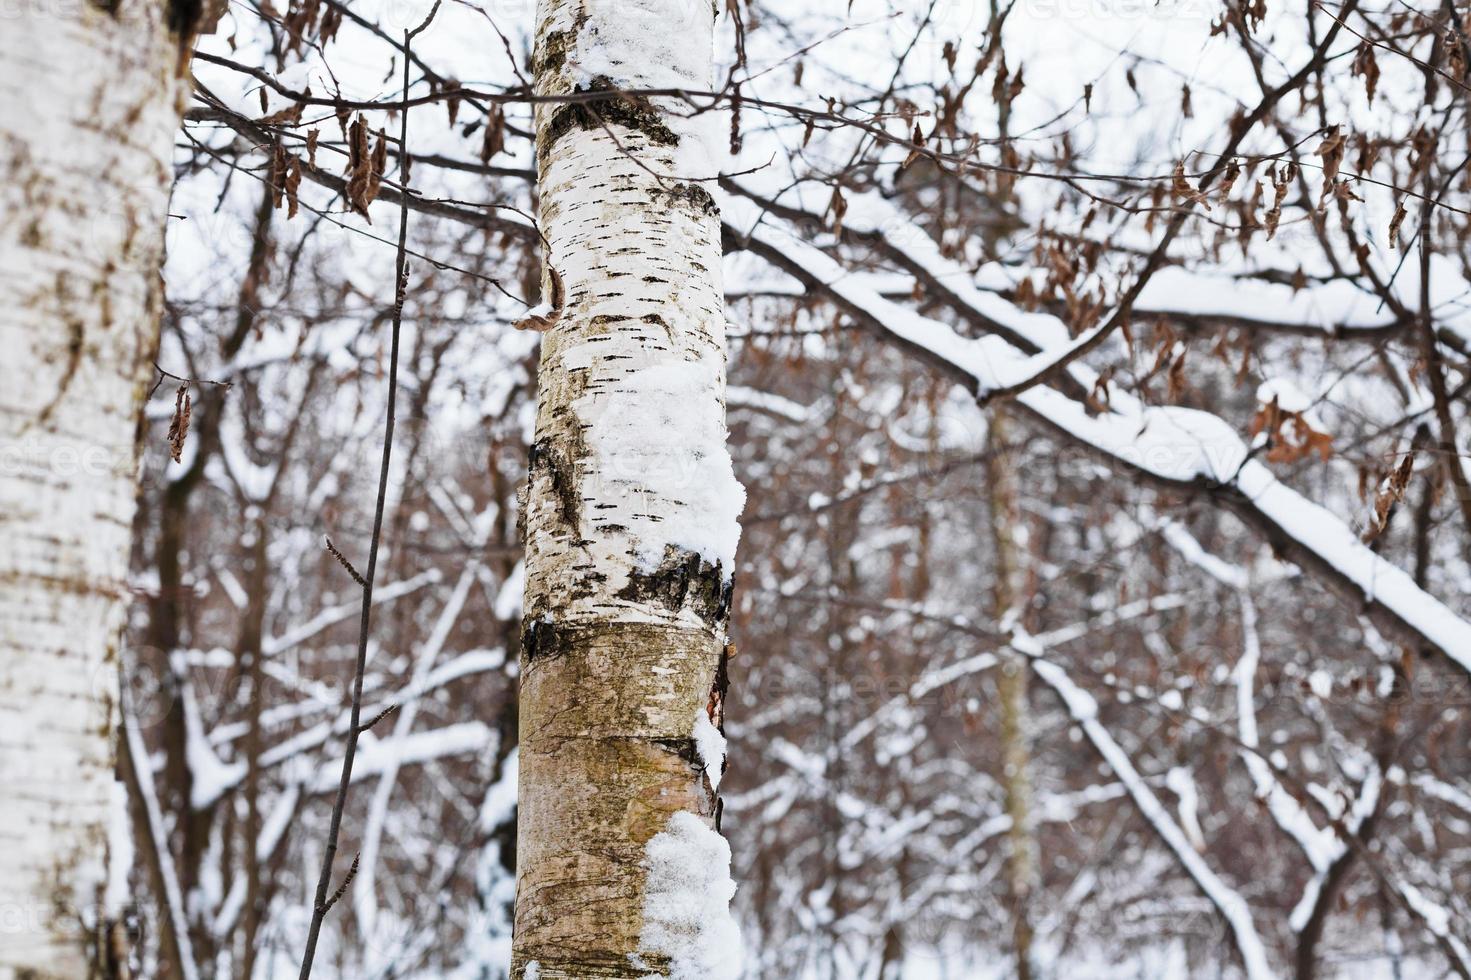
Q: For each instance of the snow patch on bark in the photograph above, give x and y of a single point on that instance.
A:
(710, 744)
(660, 436)
(617, 32)
(703, 148)
(687, 903)
(613, 45)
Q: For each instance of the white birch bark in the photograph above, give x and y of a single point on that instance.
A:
(631, 515)
(91, 103)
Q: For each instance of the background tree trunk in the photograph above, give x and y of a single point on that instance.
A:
(631, 510)
(1011, 684)
(92, 102)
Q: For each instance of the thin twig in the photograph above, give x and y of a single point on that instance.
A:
(352, 873)
(342, 560)
(324, 903)
(163, 375)
(368, 725)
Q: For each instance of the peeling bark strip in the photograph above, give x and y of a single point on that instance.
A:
(631, 514)
(91, 106)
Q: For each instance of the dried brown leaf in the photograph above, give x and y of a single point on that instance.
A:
(1330, 151)
(546, 316)
(179, 425)
(1367, 68)
(278, 174)
(1176, 377)
(293, 185)
(1394, 224)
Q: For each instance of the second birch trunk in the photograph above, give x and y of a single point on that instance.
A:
(91, 103)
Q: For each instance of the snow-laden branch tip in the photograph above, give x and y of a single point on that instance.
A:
(1181, 447)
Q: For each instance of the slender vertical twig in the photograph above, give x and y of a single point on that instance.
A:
(323, 902)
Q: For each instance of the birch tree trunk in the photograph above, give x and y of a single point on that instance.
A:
(631, 515)
(91, 104)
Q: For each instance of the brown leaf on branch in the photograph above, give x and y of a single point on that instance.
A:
(289, 116)
(1331, 153)
(327, 29)
(1228, 179)
(1165, 346)
(546, 316)
(1367, 68)
(1455, 57)
(1394, 224)
(1248, 211)
(277, 180)
(293, 185)
(365, 167)
(1184, 193)
(838, 207)
(179, 426)
(1290, 437)
(379, 166)
(1280, 181)
(1422, 152)
(915, 153)
(299, 22)
(1390, 493)
(359, 161)
(494, 140)
(1176, 377)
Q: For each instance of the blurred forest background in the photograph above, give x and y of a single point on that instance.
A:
(910, 793)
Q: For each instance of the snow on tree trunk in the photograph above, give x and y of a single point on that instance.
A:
(631, 514)
(92, 102)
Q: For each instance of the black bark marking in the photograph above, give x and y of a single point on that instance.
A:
(547, 639)
(691, 196)
(685, 748)
(657, 320)
(721, 686)
(613, 108)
(553, 53)
(715, 709)
(683, 579)
(542, 456)
(540, 639)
